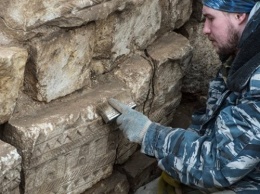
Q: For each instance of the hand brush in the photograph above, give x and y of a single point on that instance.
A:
(108, 113)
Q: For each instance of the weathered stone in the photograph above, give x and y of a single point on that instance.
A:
(30, 14)
(10, 169)
(60, 63)
(125, 149)
(164, 113)
(140, 169)
(117, 183)
(130, 30)
(136, 73)
(170, 56)
(12, 63)
(180, 12)
(175, 14)
(205, 62)
(65, 146)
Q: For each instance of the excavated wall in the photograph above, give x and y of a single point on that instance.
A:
(60, 59)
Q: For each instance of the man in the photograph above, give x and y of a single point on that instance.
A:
(221, 148)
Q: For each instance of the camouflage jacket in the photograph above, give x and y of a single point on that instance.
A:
(221, 148)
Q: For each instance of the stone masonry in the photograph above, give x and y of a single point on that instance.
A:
(58, 61)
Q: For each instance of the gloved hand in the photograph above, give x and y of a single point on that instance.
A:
(168, 185)
(133, 123)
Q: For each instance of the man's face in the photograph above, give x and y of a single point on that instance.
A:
(219, 28)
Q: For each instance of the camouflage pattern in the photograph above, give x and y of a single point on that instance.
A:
(231, 6)
(221, 148)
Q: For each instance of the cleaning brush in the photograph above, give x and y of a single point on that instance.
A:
(108, 113)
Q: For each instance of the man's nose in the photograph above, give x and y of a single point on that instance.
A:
(206, 29)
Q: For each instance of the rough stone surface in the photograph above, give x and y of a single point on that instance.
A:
(60, 63)
(140, 169)
(12, 63)
(137, 27)
(205, 62)
(117, 183)
(175, 13)
(81, 52)
(125, 149)
(169, 68)
(10, 169)
(136, 72)
(66, 148)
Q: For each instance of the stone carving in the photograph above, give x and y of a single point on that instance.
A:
(10, 169)
(80, 53)
(65, 146)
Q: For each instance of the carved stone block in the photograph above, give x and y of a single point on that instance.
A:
(66, 147)
(10, 169)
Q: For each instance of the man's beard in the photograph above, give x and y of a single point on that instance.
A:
(230, 48)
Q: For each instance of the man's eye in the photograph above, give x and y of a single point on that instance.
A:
(210, 18)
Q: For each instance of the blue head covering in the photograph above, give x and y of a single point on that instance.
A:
(231, 6)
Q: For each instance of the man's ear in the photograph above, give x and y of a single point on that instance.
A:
(241, 18)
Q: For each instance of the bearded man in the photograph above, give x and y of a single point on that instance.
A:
(220, 151)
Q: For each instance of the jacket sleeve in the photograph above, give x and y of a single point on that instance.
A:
(221, 157)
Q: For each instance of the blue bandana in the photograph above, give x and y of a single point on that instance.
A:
(231, 6)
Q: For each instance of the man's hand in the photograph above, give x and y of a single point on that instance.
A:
(133, 124)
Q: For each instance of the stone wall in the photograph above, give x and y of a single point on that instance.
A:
(59, 60)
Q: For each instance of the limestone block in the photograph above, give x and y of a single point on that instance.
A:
(125, 149)
(180, 12)
(26, 15)
(140, 169)
(170, 55)
(60, 63)
(12, 64)
(66, 148)
(176, 13)
(164, 114)
(137, 27)
(205, 62)
(136, 72)
(10, 169)
(116, 183)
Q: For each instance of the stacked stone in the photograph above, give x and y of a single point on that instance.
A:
(59, 60)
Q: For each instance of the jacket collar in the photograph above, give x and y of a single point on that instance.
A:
(248, 58)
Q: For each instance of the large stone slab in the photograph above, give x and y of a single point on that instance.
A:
(12, 64)
(170, 56)
(66, 148)
(136, 28)
(123, 32)
(60, 63)
(136, 72)
(175, 14)
(10, 169)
